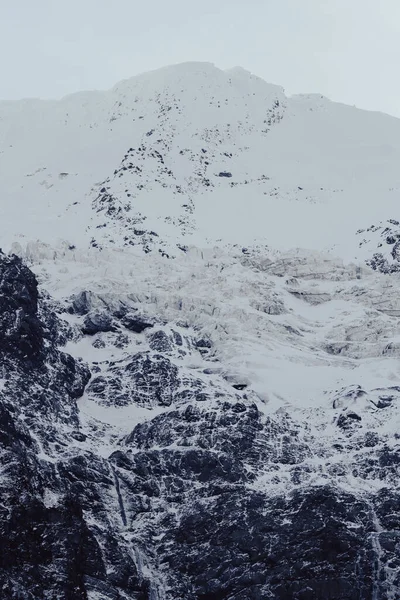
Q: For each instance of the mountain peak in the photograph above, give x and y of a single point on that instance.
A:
(173, 146)
(199, 341)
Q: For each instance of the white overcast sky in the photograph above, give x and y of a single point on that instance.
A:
(348, 50)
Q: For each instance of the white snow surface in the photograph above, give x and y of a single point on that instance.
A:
(273, 271)
(306, 172)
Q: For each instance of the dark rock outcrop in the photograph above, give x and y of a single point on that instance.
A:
(97, 321)
(21, 332)
(136, 323)
(211, 499)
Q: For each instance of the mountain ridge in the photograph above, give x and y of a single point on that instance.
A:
(288, 174)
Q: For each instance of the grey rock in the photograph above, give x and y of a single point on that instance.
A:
(96, 322)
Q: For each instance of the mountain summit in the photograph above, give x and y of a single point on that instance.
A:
(196, 154)
(199, 343)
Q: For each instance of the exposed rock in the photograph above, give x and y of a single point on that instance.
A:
(82, 303)
(145, 380)
(348, 420)
(97, 321)
(159, 341)
(21, 332)
(182, 509)
(136, 323)
(313, 298)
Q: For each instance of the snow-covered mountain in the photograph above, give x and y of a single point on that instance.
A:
(200, 340)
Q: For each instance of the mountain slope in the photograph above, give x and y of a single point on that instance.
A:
(199, 344)
(151, 155)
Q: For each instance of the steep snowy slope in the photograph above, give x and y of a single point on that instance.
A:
(199, 341)
(194, 151)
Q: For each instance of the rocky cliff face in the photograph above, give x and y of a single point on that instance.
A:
(208, 496)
